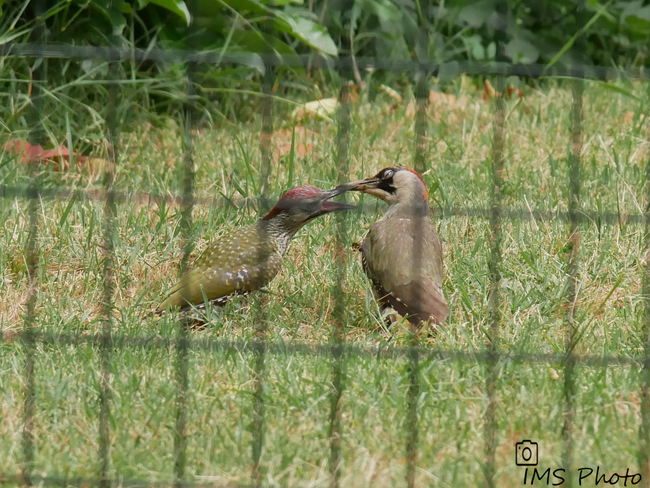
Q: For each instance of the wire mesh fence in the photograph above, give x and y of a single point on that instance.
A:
(495, 357)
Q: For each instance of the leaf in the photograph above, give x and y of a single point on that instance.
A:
(257, 42)
(391, 93)
(478, 51)
(637, 24)
(637, 10)
(176, 6)
(30, 153)
(309, 32)
(320, 108)
(117, 20)
(567, 45)
(383, 9)
(250, 5)
(477, 13)
(513, 90)
(251, 60)
(299, 148)
(521, 51)
(488, 91)
(491, 50)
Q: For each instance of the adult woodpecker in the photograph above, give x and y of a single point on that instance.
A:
(402, 253)
(248, 258)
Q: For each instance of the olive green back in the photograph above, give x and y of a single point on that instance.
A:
(243, 260)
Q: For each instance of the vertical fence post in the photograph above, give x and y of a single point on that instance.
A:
(28, 335)
(28, 332)
(413, 392)
(644, 428)
(31, 251)
(260, 332)
(109, 276)
(267, 134)
(187, 206)
(184, 322)
(494, 296)
(573, 249)
(340, 317)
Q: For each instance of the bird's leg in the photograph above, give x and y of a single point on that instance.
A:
(389, 315)
(429, 325)
(195, 323)
(386, 311)
(432, 329)
(390, 318)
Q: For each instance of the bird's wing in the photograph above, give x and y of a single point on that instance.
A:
(422, 298)
(406, 271)
(240, 261)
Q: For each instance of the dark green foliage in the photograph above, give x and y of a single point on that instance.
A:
(549, 32)
(526, 31)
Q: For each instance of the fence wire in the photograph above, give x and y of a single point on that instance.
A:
(340, 317)
(299, 348)
(182, 326)
(110, 212)
(338, 351)
(257, 446)
(494, 298)
(31, 251)
(342, 63)
(594, 217)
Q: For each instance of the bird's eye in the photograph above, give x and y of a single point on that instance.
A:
(388, 174)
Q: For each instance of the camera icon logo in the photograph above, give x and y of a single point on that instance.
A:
(526, 453)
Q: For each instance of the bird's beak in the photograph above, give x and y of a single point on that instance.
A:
(360, 185)
(327, 206)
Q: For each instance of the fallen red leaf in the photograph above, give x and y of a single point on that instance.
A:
(488, 91)
(514, 90)
(300, 149)
(30, 153)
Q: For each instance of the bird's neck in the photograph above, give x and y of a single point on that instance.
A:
(280, 232)
(409, 210)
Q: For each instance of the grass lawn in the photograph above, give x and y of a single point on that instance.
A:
(299, 306)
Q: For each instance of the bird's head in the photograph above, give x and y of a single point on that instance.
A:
(397, 184)
(304, 203)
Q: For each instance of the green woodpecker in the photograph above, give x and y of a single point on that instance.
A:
(402, 253)
(248, 258)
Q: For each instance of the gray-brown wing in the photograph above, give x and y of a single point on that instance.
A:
(407, 274)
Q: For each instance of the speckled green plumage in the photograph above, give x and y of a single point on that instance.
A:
(241, 261)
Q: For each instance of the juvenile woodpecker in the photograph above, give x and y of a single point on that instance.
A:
(402, 253)
(248, 258)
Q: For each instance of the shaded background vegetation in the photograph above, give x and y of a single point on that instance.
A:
(607, 33)
(616, 33)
